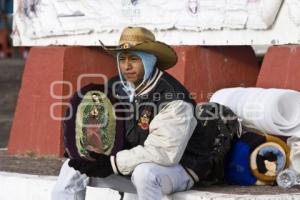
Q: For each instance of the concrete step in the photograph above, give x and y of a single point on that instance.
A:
(34, 187)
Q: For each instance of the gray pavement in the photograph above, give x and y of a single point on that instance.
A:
(11, 71)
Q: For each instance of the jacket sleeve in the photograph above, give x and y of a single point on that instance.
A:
(169, 133)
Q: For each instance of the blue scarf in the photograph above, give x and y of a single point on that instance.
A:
(148, 60)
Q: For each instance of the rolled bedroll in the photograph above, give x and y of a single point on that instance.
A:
(274, 111)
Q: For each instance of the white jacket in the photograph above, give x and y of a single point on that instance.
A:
(169, 133)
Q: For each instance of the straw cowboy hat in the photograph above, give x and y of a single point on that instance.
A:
(141, 39)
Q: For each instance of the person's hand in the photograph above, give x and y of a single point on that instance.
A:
(101, 167)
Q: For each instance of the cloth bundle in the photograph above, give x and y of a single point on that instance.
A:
(91, 124)
(256, 159)
(262, 13)
(275, 111)
(294, 10)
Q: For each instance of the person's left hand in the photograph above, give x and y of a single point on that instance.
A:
(101, 167)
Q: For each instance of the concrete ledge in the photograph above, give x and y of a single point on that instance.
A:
(34, 187)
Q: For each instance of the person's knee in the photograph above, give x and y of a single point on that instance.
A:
(145, 174)
(70, 184)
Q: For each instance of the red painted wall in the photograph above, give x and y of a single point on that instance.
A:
(281, 68)
(203, 70)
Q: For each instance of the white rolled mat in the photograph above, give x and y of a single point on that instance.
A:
(275, 111)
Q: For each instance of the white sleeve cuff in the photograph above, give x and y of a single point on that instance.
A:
(113, 164)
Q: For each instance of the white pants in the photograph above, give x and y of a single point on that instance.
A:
(150, 182)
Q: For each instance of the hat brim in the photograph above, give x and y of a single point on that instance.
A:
(166, 56)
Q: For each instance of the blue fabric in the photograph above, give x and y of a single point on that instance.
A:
(9, 6)
(2, 6)
(2, 24)
(148, 61)
(280, 162)
(237, 169)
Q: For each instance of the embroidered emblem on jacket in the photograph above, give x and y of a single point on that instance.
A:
(144, 120)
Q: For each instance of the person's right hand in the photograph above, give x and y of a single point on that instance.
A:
(100, 167)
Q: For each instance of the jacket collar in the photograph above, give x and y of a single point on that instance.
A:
(151, 83)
